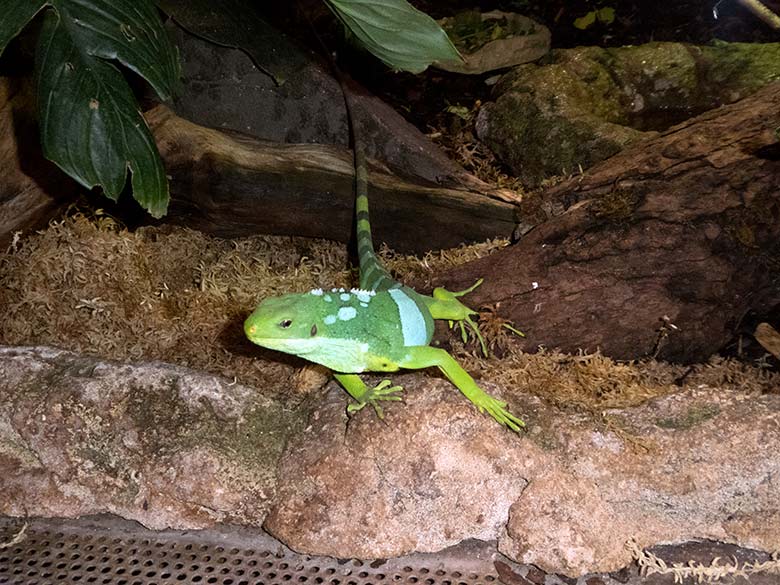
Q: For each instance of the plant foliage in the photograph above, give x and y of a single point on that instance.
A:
(91, 125)
(396, 32)
(604, 15)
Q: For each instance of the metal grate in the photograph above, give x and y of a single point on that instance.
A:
(108, 551)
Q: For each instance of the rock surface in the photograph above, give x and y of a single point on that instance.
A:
(435, 474)
(693, 465)
(585, 104)
(170, 447)
(227, 85)
(159, 444)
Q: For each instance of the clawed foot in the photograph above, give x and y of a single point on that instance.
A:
(497, 409)
(382, 391)
(466, 322)
(464, 319)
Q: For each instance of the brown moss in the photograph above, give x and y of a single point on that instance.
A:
(454, 131)
(167, 293)
(418, 271)
(584, 381)
(177, 295)
(594, 383)
(618, 205)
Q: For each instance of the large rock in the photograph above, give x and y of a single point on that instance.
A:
(170, 447)
(583, 105)
(434, 474)
(567, 496)
(247, 76)
(163, 445)
(694, 465)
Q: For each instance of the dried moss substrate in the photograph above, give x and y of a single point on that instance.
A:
(170, 294)
(177, 295)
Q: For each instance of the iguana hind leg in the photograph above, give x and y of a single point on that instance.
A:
(425, 356)
(445, 305)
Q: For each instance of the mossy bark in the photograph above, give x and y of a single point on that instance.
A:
(660, 250)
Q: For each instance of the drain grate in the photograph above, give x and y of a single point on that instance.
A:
(108, 551)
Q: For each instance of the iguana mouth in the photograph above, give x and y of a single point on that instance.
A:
(295, 346)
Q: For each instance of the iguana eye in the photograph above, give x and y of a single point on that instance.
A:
(285, 324)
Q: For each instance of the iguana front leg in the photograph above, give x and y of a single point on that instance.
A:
(363, 395)
(425, 356)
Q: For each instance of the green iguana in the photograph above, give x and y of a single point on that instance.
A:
(381, 327)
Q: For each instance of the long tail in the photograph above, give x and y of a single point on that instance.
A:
(373, 276)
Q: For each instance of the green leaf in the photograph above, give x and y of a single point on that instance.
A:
(606, 15)
(584, 22)
(16, 14)
(396, 32)
(91, 125)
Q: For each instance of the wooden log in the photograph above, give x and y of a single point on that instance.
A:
(32, 189)
(233, 185)
(660, 250)
(234, 89)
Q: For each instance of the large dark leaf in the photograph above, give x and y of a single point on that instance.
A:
(16, 14)
(90, 123)
(396, 32)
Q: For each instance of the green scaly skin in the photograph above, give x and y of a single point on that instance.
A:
(382, 327)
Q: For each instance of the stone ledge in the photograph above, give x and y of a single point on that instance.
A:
(170, 447)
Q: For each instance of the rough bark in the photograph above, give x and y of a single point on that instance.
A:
(661, 249)
(32, 189)
(232, 185)
(228, 88)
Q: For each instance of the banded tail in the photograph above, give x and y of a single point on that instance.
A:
(373, 276)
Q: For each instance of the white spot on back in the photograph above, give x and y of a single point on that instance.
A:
(344, 296)
(327, 298)
(364, 296)
(329, 319)
(363, 304)
(317, 292)
(347, 313)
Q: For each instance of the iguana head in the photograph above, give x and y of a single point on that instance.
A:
(321, 326)
(287, 323)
